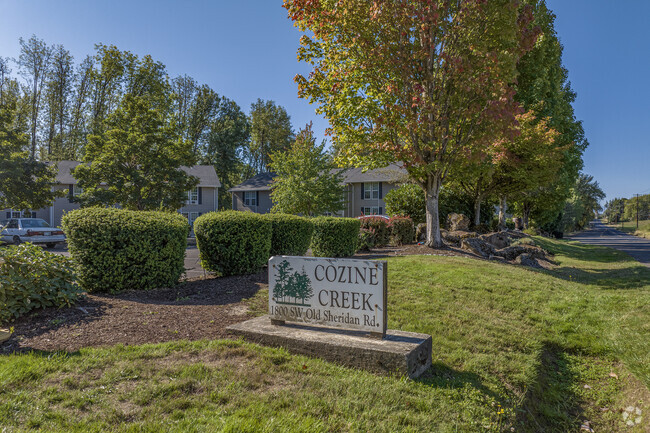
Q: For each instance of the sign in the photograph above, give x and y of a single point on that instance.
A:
(339, 293)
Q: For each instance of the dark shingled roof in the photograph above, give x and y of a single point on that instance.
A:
(206, 174)
(261, 182)
(393, 173)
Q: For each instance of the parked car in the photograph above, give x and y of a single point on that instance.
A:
(385, 217)
(34, 230)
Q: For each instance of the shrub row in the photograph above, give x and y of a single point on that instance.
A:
(335, 237)
(291, 234)
(235, 243)
(378, 232)
(232, 242)
(379, 227)
(32, 278)
(402, 230)
(118, 249)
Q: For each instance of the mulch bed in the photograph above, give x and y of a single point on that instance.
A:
(196, 309)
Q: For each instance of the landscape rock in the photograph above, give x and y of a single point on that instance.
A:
(458, 236)
(478, 247)
(497, 258)
(421, 232)
(457, 222)
(498, 240)
(4, 335)
(511, 253)
(527, 260)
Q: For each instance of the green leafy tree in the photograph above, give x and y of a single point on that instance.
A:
(137, 162)
(426, 83)
(225, 147)
(615, 210)
(58, 98)
(270, 131)
(543, 87)
(306, 182)
(640, 204)
(584, 203)
(25, 183)
(406, 200)
(34, 65)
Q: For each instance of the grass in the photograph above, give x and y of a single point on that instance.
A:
(513, 349)
(630, 228)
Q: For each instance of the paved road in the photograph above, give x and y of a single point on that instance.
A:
(600, 234)
(192, 262)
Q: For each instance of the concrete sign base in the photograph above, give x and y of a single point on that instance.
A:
(400, 352)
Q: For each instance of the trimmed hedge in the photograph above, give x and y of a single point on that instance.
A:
(233, 242)
(32, 278)
(402, 230)
(381, 228)
(367, 239)
(335, 237)
(291, 234)
(117, 249)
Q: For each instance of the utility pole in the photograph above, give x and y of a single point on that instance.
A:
(637, 211)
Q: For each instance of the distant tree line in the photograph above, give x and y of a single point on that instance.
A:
(624, 209)
(53, 108)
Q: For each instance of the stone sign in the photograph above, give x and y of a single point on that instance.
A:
(339, 293)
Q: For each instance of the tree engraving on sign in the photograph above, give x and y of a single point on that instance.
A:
(292, 288)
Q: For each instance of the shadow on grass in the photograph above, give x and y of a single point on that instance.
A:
(579, 251)
(633, 277)
(440, 375)
(550, 405)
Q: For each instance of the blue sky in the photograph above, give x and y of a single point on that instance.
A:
(246, 50)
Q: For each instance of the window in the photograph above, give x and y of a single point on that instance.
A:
(76, 190)
(372, 210)
(250, 198)
(193, 196)
(371, 190)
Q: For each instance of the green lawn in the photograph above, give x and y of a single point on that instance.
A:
(630, 227)
(513, 349)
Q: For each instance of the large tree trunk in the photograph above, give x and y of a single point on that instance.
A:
(434, 240)
(477, 210)
(503, 207)
(526, 215)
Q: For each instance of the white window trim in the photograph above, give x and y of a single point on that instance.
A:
(371, 210)
(371, 191)
(193, 196)
(250, 201)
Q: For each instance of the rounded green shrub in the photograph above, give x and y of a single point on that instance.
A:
(233, 242)
(402, 230)
(32, 278)
(367, 239)
(117, 249)
(291, 234)
(407, 200)
(380, 226)
(335, 237)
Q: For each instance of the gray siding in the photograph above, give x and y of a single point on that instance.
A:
(62, 205)
(264, 206)
(355, 202)
(209, 202)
